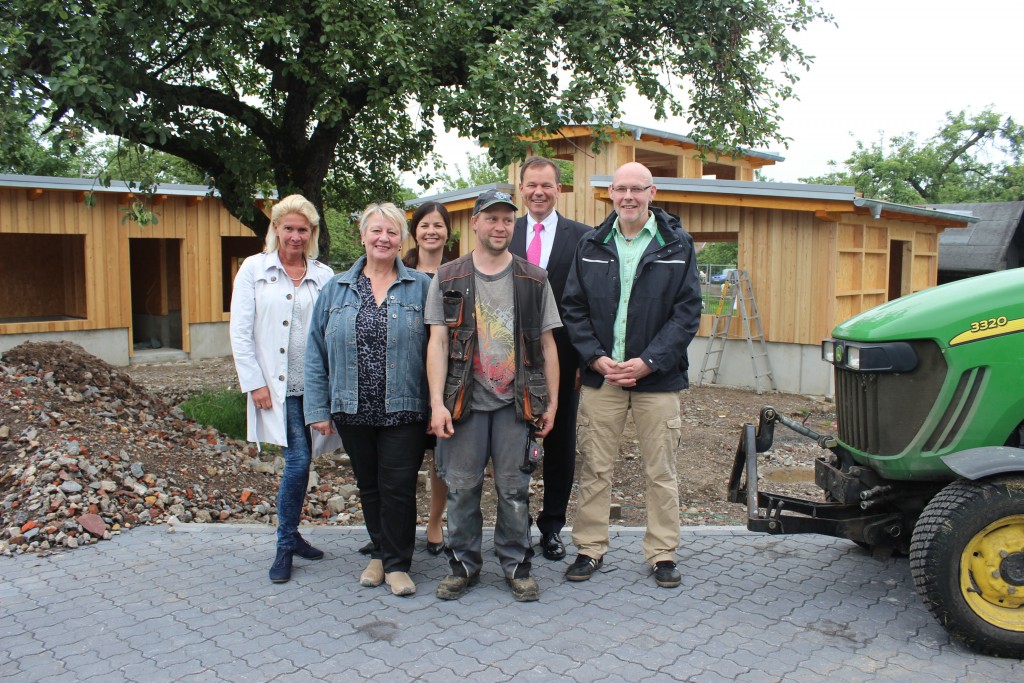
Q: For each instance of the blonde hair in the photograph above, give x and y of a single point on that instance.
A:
(294, 203)
(389, 211)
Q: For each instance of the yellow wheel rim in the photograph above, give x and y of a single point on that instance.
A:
(992, 573)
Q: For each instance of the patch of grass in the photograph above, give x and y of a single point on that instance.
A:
(224, 410)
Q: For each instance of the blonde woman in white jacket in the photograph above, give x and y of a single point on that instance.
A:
(271, 306)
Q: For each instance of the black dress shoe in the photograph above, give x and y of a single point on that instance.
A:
(552, 547)
(304, 550)
(281, 570)
(367, 549)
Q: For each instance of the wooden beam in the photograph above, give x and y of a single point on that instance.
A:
(752, 201)
(195, 200)
(823, 215)
(159, 199)
(126, 197)
(34, 193)
(80, 196)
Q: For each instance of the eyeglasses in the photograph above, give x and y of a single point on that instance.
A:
(624, 190)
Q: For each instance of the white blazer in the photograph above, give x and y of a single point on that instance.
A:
(260, 304)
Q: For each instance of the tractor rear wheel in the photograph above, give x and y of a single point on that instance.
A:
(967, 560)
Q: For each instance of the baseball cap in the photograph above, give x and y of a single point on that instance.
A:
(491, 197)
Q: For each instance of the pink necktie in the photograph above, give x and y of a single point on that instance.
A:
(533, 251)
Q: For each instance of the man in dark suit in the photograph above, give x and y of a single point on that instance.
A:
(552, 247)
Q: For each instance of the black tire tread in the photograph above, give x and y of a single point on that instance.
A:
(935, 573)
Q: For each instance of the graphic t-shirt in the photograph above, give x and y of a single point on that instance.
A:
(494, 362)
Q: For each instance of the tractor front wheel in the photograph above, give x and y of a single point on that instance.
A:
(967, 559)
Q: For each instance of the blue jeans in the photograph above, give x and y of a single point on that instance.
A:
(292, 492)
(496, 435)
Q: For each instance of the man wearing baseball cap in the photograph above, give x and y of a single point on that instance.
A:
(492, 370)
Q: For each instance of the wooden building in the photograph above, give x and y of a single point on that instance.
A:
(85, 274)
(816, 254)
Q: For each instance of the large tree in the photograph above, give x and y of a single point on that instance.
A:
(286, 95)
(977, 158)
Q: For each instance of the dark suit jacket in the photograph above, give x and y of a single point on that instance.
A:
(567, 235)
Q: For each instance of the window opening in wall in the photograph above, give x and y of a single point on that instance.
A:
(42, 277)
(717, 171)
(661, 165)
(715, 261)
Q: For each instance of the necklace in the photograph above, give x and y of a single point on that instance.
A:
(305, 267)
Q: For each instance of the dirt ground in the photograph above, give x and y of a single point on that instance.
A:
(712, 420)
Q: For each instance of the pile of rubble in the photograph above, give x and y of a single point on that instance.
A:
(85, 453)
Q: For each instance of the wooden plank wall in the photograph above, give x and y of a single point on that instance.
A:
(863, 256)
(788, 257)
(98, 281)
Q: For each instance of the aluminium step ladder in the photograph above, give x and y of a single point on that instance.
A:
(737, 296)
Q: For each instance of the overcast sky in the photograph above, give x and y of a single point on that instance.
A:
(889, 67)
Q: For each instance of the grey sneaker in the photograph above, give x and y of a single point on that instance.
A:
(524, 589)
(454, 587)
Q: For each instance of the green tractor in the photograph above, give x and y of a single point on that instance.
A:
(928, 461)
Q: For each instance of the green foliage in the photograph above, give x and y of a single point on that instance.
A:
(223, 410)
(479, 171)
(337, 99)
(346, 247)
(970, 159)
(719, 253)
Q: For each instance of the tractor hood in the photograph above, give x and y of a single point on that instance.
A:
(957, 313)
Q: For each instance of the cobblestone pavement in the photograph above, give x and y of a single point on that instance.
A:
(196, 605)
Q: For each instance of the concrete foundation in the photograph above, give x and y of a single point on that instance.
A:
(797, 368)
(210, 340)
(110, 345)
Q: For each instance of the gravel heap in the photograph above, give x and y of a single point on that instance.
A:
(86, 453)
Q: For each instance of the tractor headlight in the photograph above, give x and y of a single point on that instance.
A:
(828, 351)
(869, 356)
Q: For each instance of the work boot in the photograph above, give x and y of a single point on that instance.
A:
(524, 589)
(454, 587)
(281, 570)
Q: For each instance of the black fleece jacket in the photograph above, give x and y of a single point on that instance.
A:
(664, 304)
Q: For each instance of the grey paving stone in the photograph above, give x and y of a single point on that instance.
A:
(196, 606)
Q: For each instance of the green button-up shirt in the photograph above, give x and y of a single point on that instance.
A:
(630, 251)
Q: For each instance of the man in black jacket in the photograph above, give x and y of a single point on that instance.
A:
(631, 306)
(548, 239)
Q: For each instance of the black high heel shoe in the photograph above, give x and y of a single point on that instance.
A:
(435, 548)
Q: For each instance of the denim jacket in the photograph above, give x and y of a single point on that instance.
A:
(332, 368)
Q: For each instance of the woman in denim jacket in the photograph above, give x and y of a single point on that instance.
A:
(366, 378)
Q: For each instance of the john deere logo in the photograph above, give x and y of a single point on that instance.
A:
(839, 354)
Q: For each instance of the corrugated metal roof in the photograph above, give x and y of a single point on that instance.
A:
(459, 195)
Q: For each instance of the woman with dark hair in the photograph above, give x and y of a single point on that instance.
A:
(271, 306)
(431, 228)
(366, 379)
